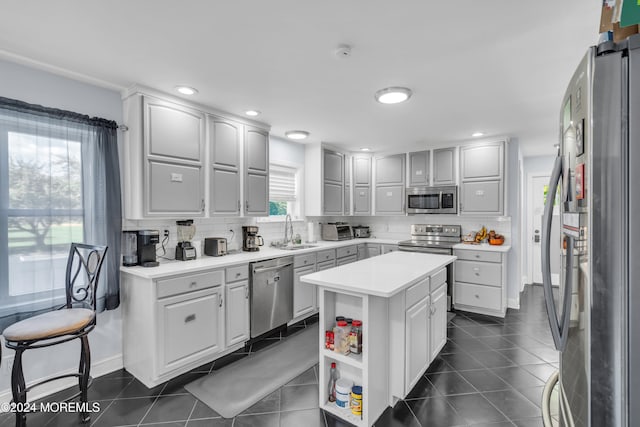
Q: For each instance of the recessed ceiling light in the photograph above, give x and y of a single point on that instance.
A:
(252, 113)
(296, 134)
(365, 149)
(186, 90)
(476, 134)
(393, 95)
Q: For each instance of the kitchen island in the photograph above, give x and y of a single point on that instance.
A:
(401, 299)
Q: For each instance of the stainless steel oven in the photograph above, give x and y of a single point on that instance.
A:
(432, 200)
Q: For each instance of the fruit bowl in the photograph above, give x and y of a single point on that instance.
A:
(496, 242)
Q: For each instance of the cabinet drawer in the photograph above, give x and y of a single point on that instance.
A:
(479, 256)
(478, 296)
(237, 273)
(304, 260)
(189, 283)
(346, 251)
(326, 255)
(347, 260)
(190, 326)
(483, 273)
(416, 292)
(438, 279)
(325, 265)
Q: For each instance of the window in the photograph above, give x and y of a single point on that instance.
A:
(284, 194)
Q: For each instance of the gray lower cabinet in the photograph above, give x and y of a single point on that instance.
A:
(417, 353)
(225, 147)
(419, 168)
(444, 166)
(237, 305)
(438, 325)
(362, 251)
(304, 294)
(390, 200)
(386, 248)
(373, 250)
(480, 282)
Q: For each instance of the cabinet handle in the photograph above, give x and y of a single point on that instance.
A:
(477, 296)
(238, 274)
(192, 284)
(477, 255)
(305, 261)
(246, 205)
(190, 318)
(238, 205)
(202, 205)
(221, 300)
(246, 292)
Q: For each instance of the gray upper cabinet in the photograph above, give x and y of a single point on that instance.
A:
(256, 148)
(419, 168)
(347, 184)
(444, 166)
(333, 193)
(482, 179)
(173, 162)
(361, 200)
(390, 200)
(224, 147)
(361, 169)
(173, 130)
(256, 169)
(481, 162)
(390, 170)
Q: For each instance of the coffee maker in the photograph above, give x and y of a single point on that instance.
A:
(147, 241)
(251, 242)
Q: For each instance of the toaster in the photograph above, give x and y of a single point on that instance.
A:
(215, 246)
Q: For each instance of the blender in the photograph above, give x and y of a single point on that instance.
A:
(185, 232)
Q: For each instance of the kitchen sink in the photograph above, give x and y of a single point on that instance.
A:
(295, 247)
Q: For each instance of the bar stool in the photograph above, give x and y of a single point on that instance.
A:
(73, 320)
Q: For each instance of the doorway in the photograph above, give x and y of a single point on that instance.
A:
(538, 186)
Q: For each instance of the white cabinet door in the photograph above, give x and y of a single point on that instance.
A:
(174, 189)
(419, 168)
(190, 326)
(237, 312)
(444, 166)
(482, 162)
(333, 166)
(372, 250)
(224, 147)
(362, 169)
(256, 150)
(416, 342)
(304, 294)
(390, 200)
(390, 170)
(438, 320)
(256, 194)
(225, 192)
(173, 130)
(333, 198)
(361, 200)
(482, 197)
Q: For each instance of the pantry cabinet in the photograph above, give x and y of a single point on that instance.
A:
(325, 189)
(482, 179)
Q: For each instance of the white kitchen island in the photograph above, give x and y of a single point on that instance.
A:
(401, 299)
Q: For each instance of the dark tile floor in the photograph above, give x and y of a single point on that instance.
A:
(490, 373)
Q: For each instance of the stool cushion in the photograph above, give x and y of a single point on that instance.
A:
(49, 325)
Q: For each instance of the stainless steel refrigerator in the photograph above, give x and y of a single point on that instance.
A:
(595, 321)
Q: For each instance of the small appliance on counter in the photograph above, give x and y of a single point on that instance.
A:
(361, 231)
(146, 242)
(215, 246)
(251, 241)
(129, 248)
(185, 231)
(336, 231)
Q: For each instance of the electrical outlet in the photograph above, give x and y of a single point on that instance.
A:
(166, 233)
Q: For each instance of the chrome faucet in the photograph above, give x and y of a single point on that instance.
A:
(288, 231)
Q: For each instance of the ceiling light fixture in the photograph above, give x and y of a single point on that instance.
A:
(365, 149)
(186, 90)
(252, 113)
(477, 134)
(393, 95)
(296, 134)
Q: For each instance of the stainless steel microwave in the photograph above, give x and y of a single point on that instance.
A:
(432, 200)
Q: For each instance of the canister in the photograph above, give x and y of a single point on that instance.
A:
(343, 392)
(356, 400)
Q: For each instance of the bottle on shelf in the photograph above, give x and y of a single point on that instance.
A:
(341, 337)
(355, 337)
(333, 378)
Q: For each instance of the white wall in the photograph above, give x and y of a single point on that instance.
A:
(50, 90)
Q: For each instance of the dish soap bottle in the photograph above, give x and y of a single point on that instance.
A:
(333, 377)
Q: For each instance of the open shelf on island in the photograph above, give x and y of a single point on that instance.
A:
(343, 413)
(354, 360)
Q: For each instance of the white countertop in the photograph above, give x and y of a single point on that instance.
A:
(204, 262)
(383, 275)
(482, 247)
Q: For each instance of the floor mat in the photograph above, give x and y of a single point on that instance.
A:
(239, 385)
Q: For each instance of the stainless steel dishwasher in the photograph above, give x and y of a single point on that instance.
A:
(271, 290)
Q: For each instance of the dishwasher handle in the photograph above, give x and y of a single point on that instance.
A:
(264, 269)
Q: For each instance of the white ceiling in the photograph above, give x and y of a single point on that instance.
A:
(497, 66)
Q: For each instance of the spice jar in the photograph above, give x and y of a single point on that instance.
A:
(355, 337)
(341, 337)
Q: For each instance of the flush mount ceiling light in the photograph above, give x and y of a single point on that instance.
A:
(186, 90)
(296, 134)
(365, 149)
(477, 134)
(252, 113)
(393, 95)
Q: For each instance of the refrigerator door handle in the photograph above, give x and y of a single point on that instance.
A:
(559, 326)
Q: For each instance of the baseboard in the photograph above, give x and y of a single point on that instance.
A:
(524, 280)
(513, 303)
(98, 369)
